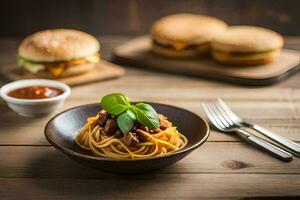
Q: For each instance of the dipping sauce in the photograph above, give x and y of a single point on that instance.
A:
(35, 92)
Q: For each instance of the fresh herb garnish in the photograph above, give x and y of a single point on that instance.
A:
(125, 121)
(115, 103)
(146, 115)
(127, 114)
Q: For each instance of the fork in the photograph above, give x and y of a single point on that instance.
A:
(239, 122)
(220, 121)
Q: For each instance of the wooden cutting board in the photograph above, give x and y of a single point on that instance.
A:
(104, 70)
(138, 52)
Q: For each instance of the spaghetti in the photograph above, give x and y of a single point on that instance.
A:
(140, 142)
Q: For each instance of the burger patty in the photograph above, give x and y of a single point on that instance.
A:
(235, 53)
(189, 46)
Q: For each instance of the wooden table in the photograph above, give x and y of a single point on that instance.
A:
(224, 167)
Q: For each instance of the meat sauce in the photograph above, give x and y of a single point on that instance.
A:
(35, 92)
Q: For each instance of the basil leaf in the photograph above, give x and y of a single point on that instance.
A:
(146, 115)
(131, 113)
(125, 121)
(115, 103)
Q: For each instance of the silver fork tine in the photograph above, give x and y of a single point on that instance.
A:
(224, 113)
(218, 115)
(211, 117)
(229, 112)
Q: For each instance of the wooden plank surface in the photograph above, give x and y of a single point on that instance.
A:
(224, 167)
(212, 157)
(157, 186)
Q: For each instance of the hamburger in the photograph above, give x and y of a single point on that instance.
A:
(247, 45)
(184, 35)
(58, 53)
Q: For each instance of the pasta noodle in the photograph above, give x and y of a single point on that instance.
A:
(163, 142)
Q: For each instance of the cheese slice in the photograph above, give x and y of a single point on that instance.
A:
(179, 45)
(56, 71)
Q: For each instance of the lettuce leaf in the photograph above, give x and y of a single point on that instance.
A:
(31, 66)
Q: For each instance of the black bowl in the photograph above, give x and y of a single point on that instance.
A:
(61, 130)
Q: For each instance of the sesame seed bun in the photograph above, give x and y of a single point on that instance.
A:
(58, 45)
(183, 30)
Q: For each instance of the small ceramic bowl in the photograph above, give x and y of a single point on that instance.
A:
(34, 107)
(61, 131)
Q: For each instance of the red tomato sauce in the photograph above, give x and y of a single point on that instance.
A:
(35, 92)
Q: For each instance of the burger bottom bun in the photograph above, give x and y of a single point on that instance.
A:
(184, 53)
(248, 59)
(68, 71)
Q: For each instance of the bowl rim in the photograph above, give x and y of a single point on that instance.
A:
(98, 158)
(33, 82)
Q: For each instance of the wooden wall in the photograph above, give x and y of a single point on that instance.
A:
(20, 17)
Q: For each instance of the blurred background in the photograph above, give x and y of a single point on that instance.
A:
(134, 17)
